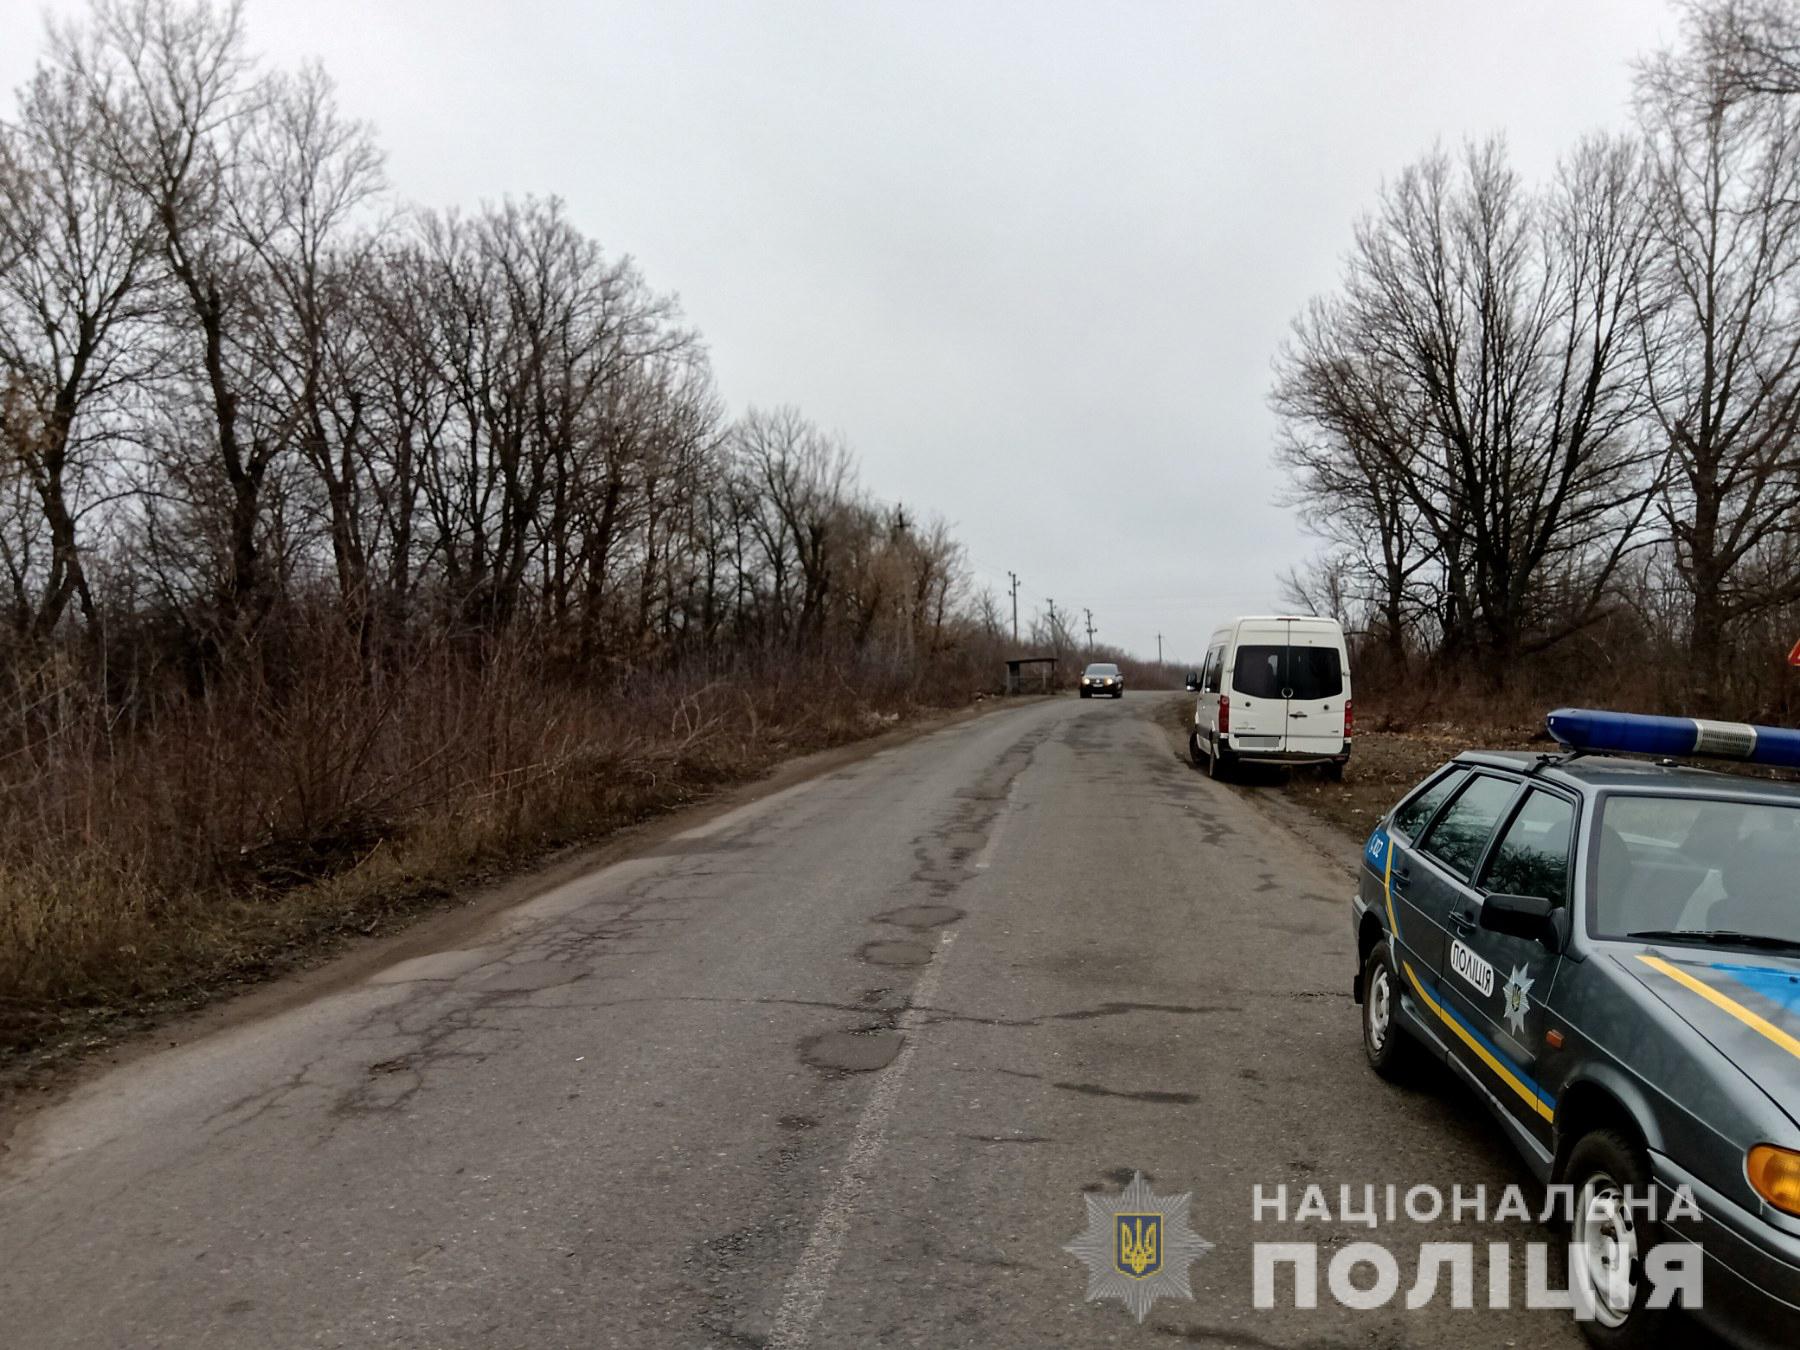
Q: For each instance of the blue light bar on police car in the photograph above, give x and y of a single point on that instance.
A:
(1635, 734)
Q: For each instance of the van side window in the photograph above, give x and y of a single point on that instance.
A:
(1416, 812)
(1459, 837)
(1532, 857)
(1209, 677)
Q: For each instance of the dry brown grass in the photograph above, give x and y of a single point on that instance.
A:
(1383, 766)
(1392, 752)
(218, 839)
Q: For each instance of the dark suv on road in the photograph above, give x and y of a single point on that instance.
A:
(1102, 678)
(1608, 950)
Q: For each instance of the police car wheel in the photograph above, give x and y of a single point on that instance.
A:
(1386, 1044)
(1609, 1240)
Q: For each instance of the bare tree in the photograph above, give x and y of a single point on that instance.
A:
(802, 479)
(1353, 430)
(1479, 376)
(173, 83)
(248, 390)
(1750, 47)
(1726, 390)
(1326, 587)
(1052, 630)
(298, 174)
(74, 249)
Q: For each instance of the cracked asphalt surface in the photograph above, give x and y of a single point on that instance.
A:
(834, 1069)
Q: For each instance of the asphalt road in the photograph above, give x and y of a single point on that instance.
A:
(835, 1069)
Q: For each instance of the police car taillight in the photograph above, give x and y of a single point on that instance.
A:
(1634, 733)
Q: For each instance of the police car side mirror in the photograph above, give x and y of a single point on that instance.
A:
(1526, 916)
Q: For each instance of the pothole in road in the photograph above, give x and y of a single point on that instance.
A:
(895, 953)
(852, 1051)
(920, 916)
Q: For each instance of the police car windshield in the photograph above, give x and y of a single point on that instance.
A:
(1711, 871)
(1102, 670)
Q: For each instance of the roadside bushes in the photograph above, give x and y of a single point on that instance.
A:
(350, 546)
(210, 836)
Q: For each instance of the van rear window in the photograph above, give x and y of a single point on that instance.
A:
(1309, 672)
(1258, 672)
(1314, 672)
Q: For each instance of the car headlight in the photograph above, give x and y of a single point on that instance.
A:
(1775, 1173)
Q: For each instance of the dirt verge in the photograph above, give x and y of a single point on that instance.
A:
(1383, 765)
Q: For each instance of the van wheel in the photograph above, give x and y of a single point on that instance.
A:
(1196, 755)
(1334, 771)
(1391, 1052)
(1219, 763)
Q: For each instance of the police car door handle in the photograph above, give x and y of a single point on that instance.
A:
(1401, 876)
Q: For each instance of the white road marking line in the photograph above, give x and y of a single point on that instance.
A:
(811, 1280)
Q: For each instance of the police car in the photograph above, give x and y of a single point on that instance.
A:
(1607, 949)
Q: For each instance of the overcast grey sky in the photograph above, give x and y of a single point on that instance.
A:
(1031, 259)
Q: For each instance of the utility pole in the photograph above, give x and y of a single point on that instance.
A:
(1015, 600)
(1159, 649)
(1054, 631)
(1090, 626)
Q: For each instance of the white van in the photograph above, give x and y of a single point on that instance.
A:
(1274, 688)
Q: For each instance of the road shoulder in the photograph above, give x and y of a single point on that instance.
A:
(1269, 795)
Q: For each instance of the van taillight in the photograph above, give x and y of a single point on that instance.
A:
(1349, 720)
(1224, 713)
